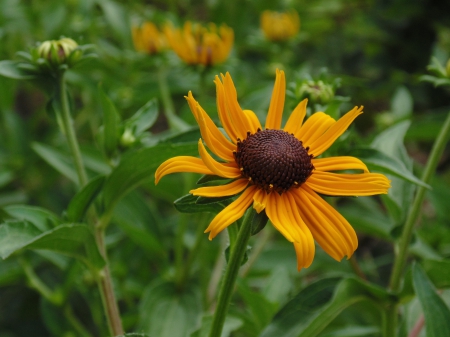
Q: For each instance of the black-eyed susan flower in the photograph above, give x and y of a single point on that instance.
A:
(148, 39)
(279, 26)
(279, 170)
(196, 44)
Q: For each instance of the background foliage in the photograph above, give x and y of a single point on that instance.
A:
(373, 52)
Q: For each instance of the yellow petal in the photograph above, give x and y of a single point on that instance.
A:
(294, 123)
(181, 164)
(348, 184)
(313, 128)
(222, 109)
(231, 213)
(217, 168)
(322, 143)
(260, 200)
(214, 139)
(338, 164)
(276, 107)
(253, 120)
(239, 119)
(222, 190)
(330, 229)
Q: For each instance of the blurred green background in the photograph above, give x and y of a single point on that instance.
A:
(375, 50)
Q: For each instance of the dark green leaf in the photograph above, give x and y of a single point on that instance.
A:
(11, 69)
(111, 122)
(438, 271)
(259, 222)
(378, 161)
(144, 118)
(166, 311)
(84, 198)
(139, 167)
(73, 240)
(43, 219)
(193, 204)
(436, 312)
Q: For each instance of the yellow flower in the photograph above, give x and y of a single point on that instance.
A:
(278, 26)
(148, 38)
(196, 44)
(277, 170)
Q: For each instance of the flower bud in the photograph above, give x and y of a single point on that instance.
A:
(317, 91)
(58, 51)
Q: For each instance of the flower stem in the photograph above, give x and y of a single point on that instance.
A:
(231, 273)
(390, 321)
(69, 131)
(430, 168)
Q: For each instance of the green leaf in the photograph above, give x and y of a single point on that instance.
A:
(134, 334)
(139, 167)
(117, 18)
(84, 198)
(111, 121)
(402, 103)
(438, 271)
(436, 312)
(166, 311)
(43, 219)
(378, 161)
(144, 118)
(355, 331)
(193, 204)
(231, 324)
(11, 69)
(316, 306)
(74, 240)
(57, 160)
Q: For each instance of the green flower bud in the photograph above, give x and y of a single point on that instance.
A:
(58, 51)
(317, 91)
(127, 138)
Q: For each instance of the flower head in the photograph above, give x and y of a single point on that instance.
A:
(147, 38)
(196, 44)
(57, 51)
(278, 170)
(278, 26)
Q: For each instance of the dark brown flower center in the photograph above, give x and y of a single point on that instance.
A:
(273, 160)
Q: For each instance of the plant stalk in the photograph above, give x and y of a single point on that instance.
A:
(430, 168)
(231, 273)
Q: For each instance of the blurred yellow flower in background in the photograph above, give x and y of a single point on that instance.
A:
(196, 44)
(278, 26)
(278, 170)
(147, 38)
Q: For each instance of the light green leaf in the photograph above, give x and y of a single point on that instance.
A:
(139, 167)
(117, 18)
(438, 271)
(316, 306)
(57, 160)
(111, 121)
(436, 312)
(231, 324)
(74, 240)
(355, 331)
(402, 103)
(84, 198)
(43, 219)
(166, 311)
(11, 69)
(144, 118)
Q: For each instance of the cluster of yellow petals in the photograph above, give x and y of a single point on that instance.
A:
(148, 38)
(197, 44)
(279, 26)
(299, 214)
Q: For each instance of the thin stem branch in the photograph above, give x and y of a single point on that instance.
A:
(231, 273)
(69, 131)
(430, 168)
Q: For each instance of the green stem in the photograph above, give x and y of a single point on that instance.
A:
(231, 273)
(68, 313)
(174, 121)
(430, 168)
(69, 131)
(390, 321)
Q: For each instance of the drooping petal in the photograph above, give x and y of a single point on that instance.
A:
(322, 143)
(231, 213)
(222, 110)
(276, 107)
(294, 123)
(181, 164)
(313, 128)
(222, 190)
(239, 119)
(338, 164)
(214, 139)
(285, 217)
(330, 229)
(260, 200)
(348, 184)
(214, 166)
(253, 120)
